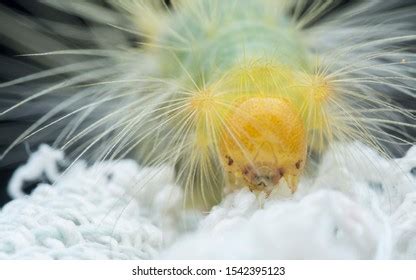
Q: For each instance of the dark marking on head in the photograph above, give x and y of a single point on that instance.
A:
(298, 163)
(245, 171)
(230, 161)
(261, 184)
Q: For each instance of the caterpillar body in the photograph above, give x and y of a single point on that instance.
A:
(234, 93)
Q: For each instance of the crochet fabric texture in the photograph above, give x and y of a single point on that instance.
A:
(360, 206)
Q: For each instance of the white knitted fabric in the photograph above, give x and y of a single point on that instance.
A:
(360, 206)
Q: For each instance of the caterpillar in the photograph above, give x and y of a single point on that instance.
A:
(239, 93)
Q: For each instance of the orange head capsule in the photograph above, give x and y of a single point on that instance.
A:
(265, 141)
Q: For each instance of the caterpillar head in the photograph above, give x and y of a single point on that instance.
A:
(268, 144)
(258, 119)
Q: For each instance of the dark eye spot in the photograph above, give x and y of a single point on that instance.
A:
(230, 161)
(298, 163)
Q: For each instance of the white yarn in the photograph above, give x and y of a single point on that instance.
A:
(360, 206)
(89, 213)
(44, 161)
(324, 225)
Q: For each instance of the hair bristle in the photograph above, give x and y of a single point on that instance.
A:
(172, 99)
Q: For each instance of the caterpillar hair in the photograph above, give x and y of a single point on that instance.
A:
(231, 94)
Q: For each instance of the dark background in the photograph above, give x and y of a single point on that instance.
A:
(13, 66)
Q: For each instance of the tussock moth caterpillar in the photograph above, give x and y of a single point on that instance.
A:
(231, 93)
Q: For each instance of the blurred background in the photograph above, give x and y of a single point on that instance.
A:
(43, 28)
(30, 26)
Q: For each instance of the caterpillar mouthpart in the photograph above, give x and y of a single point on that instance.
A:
(269, 143)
